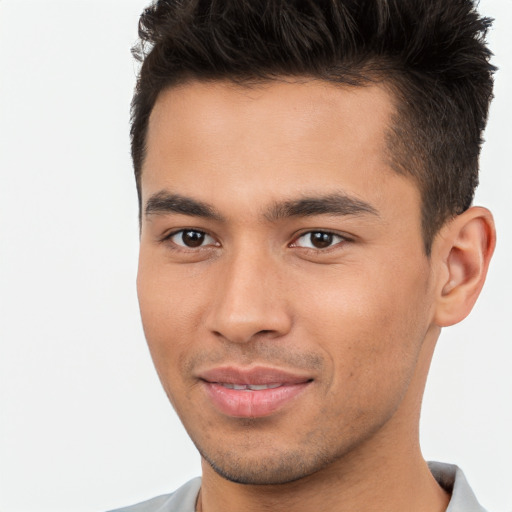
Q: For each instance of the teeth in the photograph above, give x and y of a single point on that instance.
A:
(255, 387)
(235, 386)
(249, 387)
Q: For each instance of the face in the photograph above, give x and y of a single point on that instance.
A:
(283, 286)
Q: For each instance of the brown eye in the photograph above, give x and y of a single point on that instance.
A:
(191, 238)
(318, 240)
(321, 240)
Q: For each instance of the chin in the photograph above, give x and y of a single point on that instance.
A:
(277, 470)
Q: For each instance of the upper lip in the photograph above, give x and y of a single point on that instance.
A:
(256, 375)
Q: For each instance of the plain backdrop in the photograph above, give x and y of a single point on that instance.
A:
(84, 424)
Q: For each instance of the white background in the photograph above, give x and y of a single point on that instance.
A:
(84, 425)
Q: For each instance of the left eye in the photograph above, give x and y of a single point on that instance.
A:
(318, 240)
(191, 238)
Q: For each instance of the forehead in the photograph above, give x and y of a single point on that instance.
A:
(214, 138)
(294, 111)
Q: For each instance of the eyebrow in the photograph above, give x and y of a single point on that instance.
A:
(332, 204)
(165, 202)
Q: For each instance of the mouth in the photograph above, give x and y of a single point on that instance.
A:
(252, 393)
(249, 387)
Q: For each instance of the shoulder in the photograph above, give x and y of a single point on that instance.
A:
(182, 500)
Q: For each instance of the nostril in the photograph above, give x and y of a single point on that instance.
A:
(265, 331)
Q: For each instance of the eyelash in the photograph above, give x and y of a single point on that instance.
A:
(342, 239)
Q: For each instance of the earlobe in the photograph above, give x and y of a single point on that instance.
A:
(466, 245)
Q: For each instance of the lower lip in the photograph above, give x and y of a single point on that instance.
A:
(252, 404)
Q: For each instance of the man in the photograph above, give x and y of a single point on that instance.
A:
(305, 173)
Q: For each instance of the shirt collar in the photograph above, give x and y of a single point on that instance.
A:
(452, 480)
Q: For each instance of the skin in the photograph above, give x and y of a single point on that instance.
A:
(359, 317)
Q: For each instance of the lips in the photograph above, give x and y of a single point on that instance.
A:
(251, 393)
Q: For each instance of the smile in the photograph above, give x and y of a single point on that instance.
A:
(251, 393)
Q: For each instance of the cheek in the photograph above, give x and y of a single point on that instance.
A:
(170, 313)
(369, 324)
(167, 321)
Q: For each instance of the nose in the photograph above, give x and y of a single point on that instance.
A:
(249, 301)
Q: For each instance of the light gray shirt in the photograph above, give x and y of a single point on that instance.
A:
(450, 477)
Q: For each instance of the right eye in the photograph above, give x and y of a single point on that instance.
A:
(191, 238)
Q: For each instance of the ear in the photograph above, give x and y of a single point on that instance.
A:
(462, 250)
